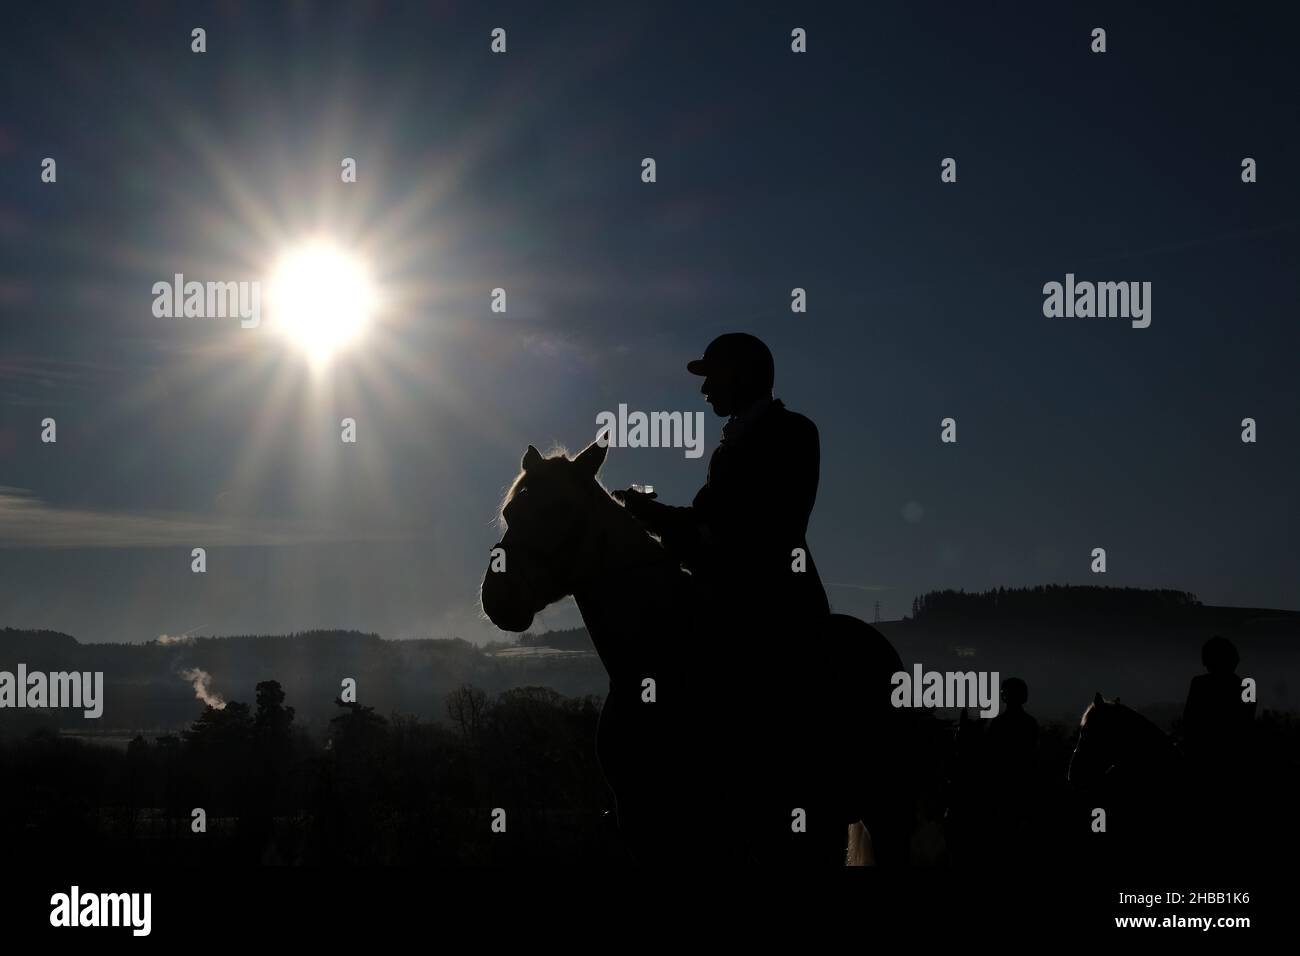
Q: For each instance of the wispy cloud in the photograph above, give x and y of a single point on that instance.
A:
(28, 522)
(50, 373)
(48, 383)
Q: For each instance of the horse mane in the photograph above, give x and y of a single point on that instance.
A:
(1087, 711)
(557, 451)
(507, 498)
(1130, 718)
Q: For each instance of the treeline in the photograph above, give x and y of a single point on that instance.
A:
(377, 790)
(397, 790)
(1052, 600)
(151, 685)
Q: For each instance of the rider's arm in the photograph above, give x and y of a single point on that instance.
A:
(681, 529)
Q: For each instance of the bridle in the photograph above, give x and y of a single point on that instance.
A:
(546, 576)
(585, 541)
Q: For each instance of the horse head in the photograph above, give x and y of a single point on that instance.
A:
(1099, 744)
(549, 514)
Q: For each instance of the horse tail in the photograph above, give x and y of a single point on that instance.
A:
(859, 848)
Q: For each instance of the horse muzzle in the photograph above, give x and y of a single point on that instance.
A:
(507, 601)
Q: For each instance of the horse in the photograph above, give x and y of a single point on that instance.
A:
(680, 739)
(1126, 765)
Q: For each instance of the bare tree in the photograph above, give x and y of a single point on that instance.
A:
(465, 707)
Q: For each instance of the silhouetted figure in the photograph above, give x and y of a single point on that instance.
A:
(738, 708)
(1012, 735)
(964, 814)
(739, 534)
(1218, 740)
(757, 591)
(1216, 721)
(1009, 748)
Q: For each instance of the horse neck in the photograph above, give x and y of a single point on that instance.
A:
(627, 590)
(1144, 745)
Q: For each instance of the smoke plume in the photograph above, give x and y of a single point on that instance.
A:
(202, 682)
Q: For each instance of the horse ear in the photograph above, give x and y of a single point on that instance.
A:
(1098, 700)
(532, 458)
(591, 458)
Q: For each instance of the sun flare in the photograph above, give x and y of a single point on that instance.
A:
(321, 299)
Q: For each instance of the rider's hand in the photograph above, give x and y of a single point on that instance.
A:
(633, 500)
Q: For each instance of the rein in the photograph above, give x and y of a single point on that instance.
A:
(588, 544)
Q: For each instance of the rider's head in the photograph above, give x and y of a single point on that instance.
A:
(737, 370)
(1015, 692)
(1219, 655)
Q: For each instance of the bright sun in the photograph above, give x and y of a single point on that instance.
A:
(321, 298)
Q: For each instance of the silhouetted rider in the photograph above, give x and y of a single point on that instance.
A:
(1216, 721)
(760, 605)
(1218, 738)
(739, 535)
(1010, 745)
(1012, 737)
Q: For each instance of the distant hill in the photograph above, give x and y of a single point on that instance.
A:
(145, 688)
(1070, 642)
(570, 639)
(1067, 642)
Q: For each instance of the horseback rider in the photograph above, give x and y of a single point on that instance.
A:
(744, 536)
(758, 600)
(1219, 739)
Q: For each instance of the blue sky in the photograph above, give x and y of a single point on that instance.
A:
(522, 171)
